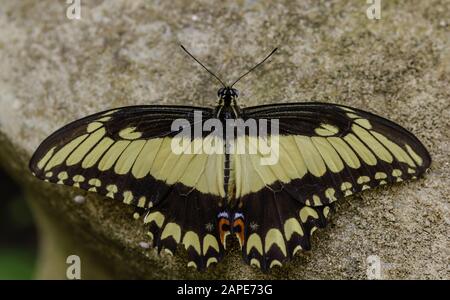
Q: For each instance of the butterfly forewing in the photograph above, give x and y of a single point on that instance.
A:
(329, 151)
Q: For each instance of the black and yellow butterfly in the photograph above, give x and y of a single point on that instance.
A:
(325, 152)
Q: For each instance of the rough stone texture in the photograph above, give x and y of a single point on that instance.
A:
(54, 70)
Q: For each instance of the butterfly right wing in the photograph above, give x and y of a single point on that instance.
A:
(324, 152)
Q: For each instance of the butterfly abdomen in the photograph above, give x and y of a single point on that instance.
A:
(228, 111)
(229, 179)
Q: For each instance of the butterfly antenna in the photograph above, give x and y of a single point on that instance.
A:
(257, 65)
(215, 76)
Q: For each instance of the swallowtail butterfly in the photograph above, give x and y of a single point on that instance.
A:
(198, 198)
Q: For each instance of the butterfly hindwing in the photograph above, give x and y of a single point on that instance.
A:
(277, 226)
(190, 219)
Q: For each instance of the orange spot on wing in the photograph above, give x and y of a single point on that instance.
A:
(239, 223)
(223, 233)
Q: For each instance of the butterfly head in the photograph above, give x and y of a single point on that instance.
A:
(227, 94)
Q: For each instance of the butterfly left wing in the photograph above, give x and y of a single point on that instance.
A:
(126, 154)
(321, 153)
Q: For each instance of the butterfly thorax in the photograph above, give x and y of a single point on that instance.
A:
(227, 95)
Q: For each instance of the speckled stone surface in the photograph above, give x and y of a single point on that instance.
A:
(54, 70)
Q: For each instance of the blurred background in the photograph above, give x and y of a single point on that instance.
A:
(18, 239)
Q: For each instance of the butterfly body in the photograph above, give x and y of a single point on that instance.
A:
(229, 221)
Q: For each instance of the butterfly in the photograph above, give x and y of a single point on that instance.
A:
(191, 196)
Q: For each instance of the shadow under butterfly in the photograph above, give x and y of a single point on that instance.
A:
(197, 199)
